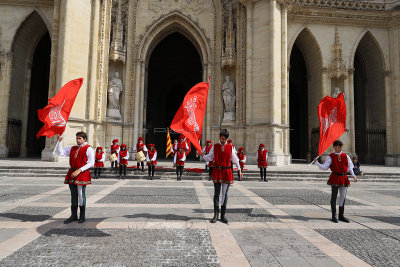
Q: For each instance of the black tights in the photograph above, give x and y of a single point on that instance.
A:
(217, 191)
(151, 170)
(120, 170)
(97, 172)
(140, 163)
(179, 171)
(114, 165)
(263, 173)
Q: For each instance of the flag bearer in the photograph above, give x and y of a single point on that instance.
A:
(81, 159)
(140, 147)
(99, 162)
(179, 162)
(223, 155)
(340, 164)
(123, 157)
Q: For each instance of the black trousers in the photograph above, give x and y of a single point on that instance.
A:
(263, 173)
(122, 167)
(114, 165)
(179, 171)
(151, 170)
(97, 172)
(217, 192)
(140, 163)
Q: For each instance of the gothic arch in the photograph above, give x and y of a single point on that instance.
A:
(307, 45)
(31, 33)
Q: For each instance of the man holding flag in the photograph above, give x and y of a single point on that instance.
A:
(332, 117)
(81, 157)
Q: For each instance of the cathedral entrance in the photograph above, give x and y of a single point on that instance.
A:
(174, 67)
(369, 102)
(29, 87)
(298, 91)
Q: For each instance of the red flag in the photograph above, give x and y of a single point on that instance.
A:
(189, 119)
(55, 115)
(332, 121)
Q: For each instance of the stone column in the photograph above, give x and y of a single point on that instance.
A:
(249, 60)
(389, 109)
(6, 67)
(284, 81)
(137, 95)
(351, 123)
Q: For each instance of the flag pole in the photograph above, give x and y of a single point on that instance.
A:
(54, 151)
(312, 162)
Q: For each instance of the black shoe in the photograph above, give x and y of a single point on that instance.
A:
(215, 218)
(223, 218)
(265, 180)
(119, 178)
(74, 215)
(333, 209)
(341, 215)
(334, 219)
(82, 215)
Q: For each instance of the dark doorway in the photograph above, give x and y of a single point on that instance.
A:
(369, 102)
(174, 67)
(38, 95)
(298, 105)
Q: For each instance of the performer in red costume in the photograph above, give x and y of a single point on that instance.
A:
(340, 164)
(242, 159)
(179, 162)
(183, 144)
(205, 151)
(114, 149)
(100, 157)
(151, 160)
(262, 161)
(174, 147)
(123, 157)
(140, 146)
(223, 155)
(81, 159)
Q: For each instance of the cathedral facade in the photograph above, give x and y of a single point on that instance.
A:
(270, 63)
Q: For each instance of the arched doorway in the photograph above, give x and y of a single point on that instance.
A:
(305, 83)
(174, 67)
(29, 87)
(369, 102)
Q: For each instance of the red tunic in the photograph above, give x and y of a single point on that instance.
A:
(114, 148)
(78, 159)
(97, 163)
(123, 153)
(241, 157)
(222, 172)
(208, 148)
(139, 147)
(339, 166)
(151, 155)
(262, 158)
(179, 156)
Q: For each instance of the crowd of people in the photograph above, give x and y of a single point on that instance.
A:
(219, 161)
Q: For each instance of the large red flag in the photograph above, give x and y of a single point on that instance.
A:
(332, 121)
(189, 119)
(55, 115)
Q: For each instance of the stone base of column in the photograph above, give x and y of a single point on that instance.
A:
(47, 155)
(392, 160)
(3, 152)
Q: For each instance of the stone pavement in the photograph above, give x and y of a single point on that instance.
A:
(166, 223)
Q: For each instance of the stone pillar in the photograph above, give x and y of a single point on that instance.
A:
(249, 61)
(137, 96)
(5, 81)
(389, 109)
(284, 84)
(351, 122)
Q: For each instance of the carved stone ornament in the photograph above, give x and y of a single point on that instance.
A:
(229, 53)
(192, 7)
(118, 46)
(114, 91)
(358, 5)
(337, 67)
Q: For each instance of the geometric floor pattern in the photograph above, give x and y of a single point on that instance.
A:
(166, 223)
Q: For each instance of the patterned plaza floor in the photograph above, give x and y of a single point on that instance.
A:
(166, 223)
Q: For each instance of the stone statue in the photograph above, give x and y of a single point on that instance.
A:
(114, 90)
(335, 92)
(228, 93)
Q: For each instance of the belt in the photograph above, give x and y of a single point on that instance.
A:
(339, 173)
(222, 168)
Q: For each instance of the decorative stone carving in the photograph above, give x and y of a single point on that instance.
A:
(118, 44)
(229, 52)
(335, 92)
(358, 5)
(114, 90)
(192, 7)
(337, 68)
(229, 97)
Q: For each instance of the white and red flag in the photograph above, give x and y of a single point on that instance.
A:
(188, 121)
(55, 115)
(332, 121)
